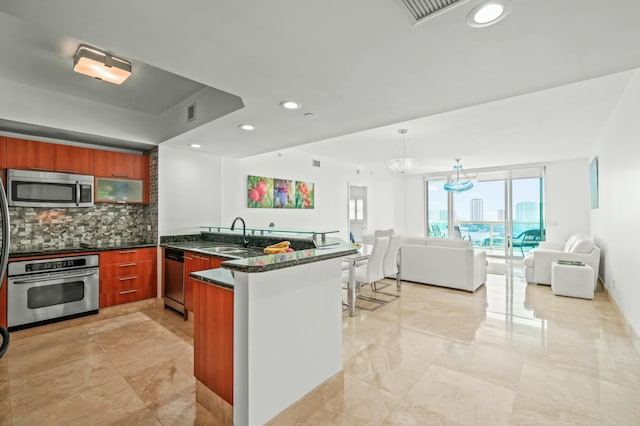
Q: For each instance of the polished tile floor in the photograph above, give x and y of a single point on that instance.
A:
(510, 353)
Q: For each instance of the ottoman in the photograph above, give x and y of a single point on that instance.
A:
(572, 280)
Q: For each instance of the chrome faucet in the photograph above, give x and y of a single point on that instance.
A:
(245, 241)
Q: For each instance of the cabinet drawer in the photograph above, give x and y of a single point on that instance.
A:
(110, 285)
(126, 269)
(127, 255)
(124, 296)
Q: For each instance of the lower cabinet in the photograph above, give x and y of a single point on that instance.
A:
(196, 262)
(127, 276)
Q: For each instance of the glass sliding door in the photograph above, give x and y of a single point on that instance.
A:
(527, 225)
(503, 213)
(479, 215)
(437, 209)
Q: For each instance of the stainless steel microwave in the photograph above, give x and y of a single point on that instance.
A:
(26, 188)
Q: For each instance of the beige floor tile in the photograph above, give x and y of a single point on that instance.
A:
(461, 398)
(510, 353)
(185, 411)
(492, 364)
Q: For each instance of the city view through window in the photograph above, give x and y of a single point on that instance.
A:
(482, 214)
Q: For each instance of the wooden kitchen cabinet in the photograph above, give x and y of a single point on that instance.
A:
(121, 177)
(30, 155)
(73, 159)
(120, 165)
(3, 153)
(213, 338)
(196, 262)
(127, 275)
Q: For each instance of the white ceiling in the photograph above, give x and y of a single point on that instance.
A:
(361, 64)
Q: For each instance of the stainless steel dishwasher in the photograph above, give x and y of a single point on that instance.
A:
(174, 279)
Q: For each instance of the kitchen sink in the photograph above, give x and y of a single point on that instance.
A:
(221, 249)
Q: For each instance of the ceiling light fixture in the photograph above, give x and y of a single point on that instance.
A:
(457, 185)
(100, 65)
(402, 163)
(488, 13)
(290, 105)
(195, 145)
(247, 127)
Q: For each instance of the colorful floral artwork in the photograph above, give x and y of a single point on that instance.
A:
(266, 192)
(283, 194)
(304, 195)
(259, 192)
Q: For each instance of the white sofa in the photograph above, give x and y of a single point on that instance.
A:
(579, 247)
(449, 263)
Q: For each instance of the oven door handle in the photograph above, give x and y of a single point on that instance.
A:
(52, 278)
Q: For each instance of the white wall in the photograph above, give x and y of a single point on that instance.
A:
(567, 197)
(614, 223)
(331, 181)
(189, 190)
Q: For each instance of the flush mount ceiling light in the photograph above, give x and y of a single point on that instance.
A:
(100, 65)
(247, 127)
(488, 13)
(457, 185)
(402, 163)
(290, 105)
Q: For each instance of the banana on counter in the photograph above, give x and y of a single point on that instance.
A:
(281, 247)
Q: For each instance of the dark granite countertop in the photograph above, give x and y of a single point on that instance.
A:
(219, 277)
(205, 247)
(29, 251)
(271, 262)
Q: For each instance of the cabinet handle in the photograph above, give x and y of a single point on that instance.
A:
(66, 171)
(127, 251)
(187, 257)
(128, 278)
(126, 264)
(201, 258)
(41, 169)
(129, 291)
(120, 175)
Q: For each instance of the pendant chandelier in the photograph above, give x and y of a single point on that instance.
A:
(402, 163)
(457, 185)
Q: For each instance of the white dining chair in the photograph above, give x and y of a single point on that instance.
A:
(370, 271)
(391, 265)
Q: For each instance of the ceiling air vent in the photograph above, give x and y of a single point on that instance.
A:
(315, 163)
(191, 113)
(421, 10)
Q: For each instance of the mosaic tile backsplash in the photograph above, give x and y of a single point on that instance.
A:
(103, 224)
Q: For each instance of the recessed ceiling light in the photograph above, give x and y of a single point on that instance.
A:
(488, 13)
(194, 145)
(247, 127)
(290, 105)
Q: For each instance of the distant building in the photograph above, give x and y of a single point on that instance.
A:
(500, 215)
(477, 210)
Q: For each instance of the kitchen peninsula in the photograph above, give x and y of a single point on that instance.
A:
(267, 328)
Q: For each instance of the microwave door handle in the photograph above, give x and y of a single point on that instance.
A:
(77, 194)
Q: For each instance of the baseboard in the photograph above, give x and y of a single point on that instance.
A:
(214, 403)
(628, 328)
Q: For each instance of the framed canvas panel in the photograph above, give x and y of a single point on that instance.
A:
(283, 194)
(259, 192)
(305, 195)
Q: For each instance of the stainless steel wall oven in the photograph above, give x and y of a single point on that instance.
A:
(47, 290)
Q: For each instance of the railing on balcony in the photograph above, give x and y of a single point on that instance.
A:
(490, 235)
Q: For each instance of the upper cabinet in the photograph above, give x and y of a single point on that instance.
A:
(120, 165)
(73, 159)
(31, 155)
(3, 152)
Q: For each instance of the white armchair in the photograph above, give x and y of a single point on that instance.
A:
(579, 247)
